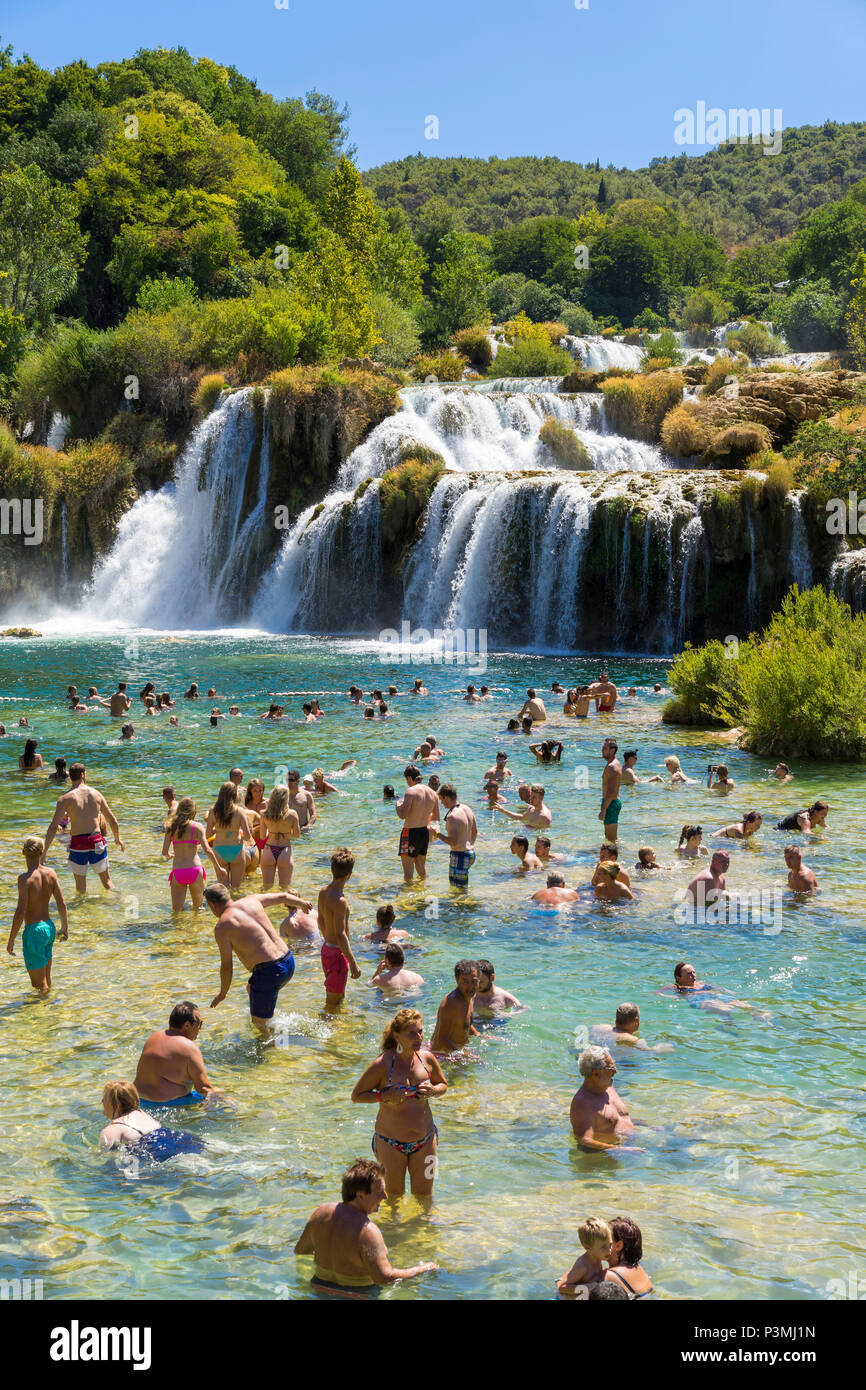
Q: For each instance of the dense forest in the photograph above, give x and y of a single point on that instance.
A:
(166, 226)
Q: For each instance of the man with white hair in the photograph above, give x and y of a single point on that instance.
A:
(599, 1117)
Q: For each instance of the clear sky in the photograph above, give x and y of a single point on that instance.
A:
(502, 77)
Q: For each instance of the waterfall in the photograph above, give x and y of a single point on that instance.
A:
(64, 548)
(691, 542)
(597, 354)
(848, 578)
(752, 588)
(57, 431)
(185, 556)
(799, 562)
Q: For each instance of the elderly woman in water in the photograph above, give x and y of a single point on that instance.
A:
(402, 1081)
(129, 1127)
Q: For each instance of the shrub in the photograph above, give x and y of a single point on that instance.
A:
(664, 349)
(578, 320)
(474, 344)
(399, 338)
(812, 317)
(828, 460)
(609, 332)
(555, 331)
(531, 357)
(208, 392)
(444, 366)
(741, 440)
(650, 320)
(707, 685)
(637, 405)
(718, 373)
(539, 302)
(683, 432)
(756, 340)
(705, 309)
(567, 448)
(403, 494)
(503, 296)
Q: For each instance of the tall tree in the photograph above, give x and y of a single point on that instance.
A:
(41, 247)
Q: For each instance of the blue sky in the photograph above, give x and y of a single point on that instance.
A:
(502, 77)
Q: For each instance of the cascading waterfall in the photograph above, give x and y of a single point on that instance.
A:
(597, 354)
(64, 547)
(752, 586)
(185, 556)
(799, 561)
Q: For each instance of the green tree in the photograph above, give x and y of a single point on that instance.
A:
(350, 211)
(398, 264)
(855, 314)
(41, 246)
(459, 282)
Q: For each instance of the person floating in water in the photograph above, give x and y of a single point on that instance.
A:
(624, 1032)
(129, 1127)
(36, 887)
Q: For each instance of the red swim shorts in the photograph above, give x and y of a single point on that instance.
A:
(336, 969)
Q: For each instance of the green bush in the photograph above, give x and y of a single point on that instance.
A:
(665, 349)
(755, 340)
(650, 320)
(444, 366)
(578, 320)
(474, 344)
(707, 683)
(828, 460)
(566, 446)
(531, 357)
(208, 393)
(397, 330)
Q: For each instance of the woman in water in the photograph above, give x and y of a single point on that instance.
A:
(229, 826)
(186, 837)
(690, 846)
(626, 1253)
(59, 774)
(741, 830)
(280, 825)
(549, 751)
(678, 777)
(30, 760)
(402, 1081)
(569, 707)
(130, 1127)
(254, 805)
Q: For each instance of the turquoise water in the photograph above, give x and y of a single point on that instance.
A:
(750, 1186)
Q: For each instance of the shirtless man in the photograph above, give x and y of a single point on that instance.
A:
(349, 1249)
(629, 776)
(610, 784)
(460, 834)
(320, 786)
(498, 772)
(490, 1000)
(471, 697)
(533, 708)
(555, 893)
(171, 1068)
(418, 810)
(301, 801)
(244, 928)
(454, 1026)
(301, 926)
(609, 854)
(543, 850)
(608, 883)
(36, 887)
(604, 692)
(708, 886)
(801, 879)
(528, 860)
(418, 688)
(333, 913)
(624, 1032)
(538, 816)
(119, 703)
(84, 805)
(391, 972)
(599, 1117)
(170, 798)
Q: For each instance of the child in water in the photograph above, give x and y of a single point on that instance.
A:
(595, 1236)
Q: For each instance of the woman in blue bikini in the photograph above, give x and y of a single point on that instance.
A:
(229, 826)
(402, 1080)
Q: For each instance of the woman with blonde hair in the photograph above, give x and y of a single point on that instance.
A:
(280, 825)
(228, 828)
(130, 1127)
(678, 777)
(186, 837)
(402, 1081)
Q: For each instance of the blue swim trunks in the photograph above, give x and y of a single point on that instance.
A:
(266, 981)
(460, 861)
(37, 944)
(160, 1144)
(191, 1098)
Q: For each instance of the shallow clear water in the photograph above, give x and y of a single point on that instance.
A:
(751, 1183)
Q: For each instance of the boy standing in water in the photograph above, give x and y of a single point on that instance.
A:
(36, 887)
(333, 911)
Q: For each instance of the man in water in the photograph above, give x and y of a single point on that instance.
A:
(119, 703)
(169, 796)
(454, 1026)
(624, 1032)
(490, 1001)
(471, 697)
(419, 688)
(542, 849)
(609, 854)
(418, 809)
(599, 1117)
(801, 879)
(629, 776)
(604, 692)
(333, 914)
(244, 928)
(301, 801)
(538, 816)
(349, 1249)
(36, 887)
(460, 834)
(84, 805)
(499, 772)
(555, 892)
(528, 860)
(610, 784)
(391, 972)
(708, 887)
(782, 773)
(608, 884)
(236, 775)
(533, 708)
(171, 1069)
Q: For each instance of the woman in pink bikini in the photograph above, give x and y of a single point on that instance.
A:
(254, 805)
(186, 837)
(280, 824)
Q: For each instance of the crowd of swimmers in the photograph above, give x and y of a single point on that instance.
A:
(248, 829)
